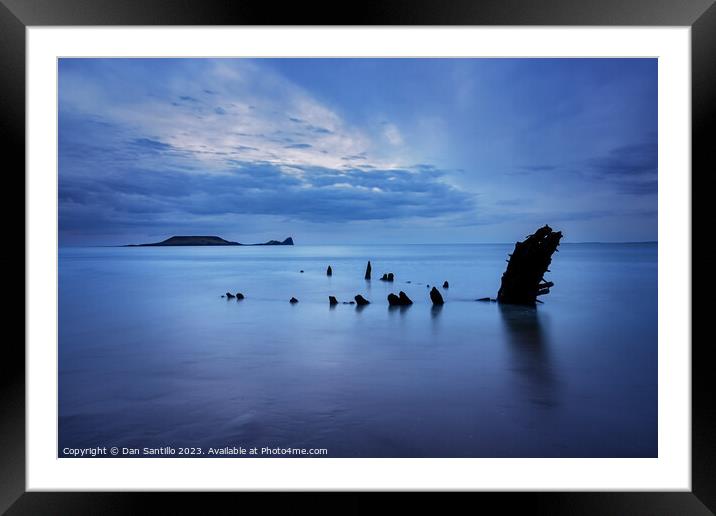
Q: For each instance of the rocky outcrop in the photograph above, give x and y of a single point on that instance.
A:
(239, 296)
(288, 241)
(524, 280)
(329, 271)
(401, 299)
(293, 300)
(368, 270)
(404, 298)
(446, 284)
(387, 277)
(436, 297)
(332, 300)
(229, 295)
(361, 301)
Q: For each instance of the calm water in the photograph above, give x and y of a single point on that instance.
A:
(150, 355)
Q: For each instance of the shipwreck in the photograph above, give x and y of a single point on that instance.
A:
(523, 281)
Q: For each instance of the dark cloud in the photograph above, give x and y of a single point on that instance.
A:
(355, 157)
(648, 187)
(315, 129)
(120, 197)
(633, 168)
(628, 161)
(513, 202)
(539, 168)
(150, 144)
(112, 181)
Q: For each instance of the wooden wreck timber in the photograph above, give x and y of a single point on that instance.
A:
(524, 280)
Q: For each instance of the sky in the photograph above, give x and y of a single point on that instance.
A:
(342, 151)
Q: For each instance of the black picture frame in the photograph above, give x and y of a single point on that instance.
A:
(16, 15)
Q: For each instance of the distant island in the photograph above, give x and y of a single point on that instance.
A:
(204, 240)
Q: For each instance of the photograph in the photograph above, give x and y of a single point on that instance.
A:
(357, 257)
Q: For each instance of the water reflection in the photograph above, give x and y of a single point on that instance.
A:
(401, 309)
(528, 344)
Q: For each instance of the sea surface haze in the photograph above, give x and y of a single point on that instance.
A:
(151, 355)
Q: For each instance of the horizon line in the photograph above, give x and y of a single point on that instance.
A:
(590, 242)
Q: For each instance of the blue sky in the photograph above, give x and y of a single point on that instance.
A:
(357, 150)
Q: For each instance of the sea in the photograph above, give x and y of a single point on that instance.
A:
(151, 356)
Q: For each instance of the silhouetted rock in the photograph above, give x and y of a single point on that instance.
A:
(288, 241)
(301, 271)
(367, 270)
(436, 297)
(401, 299)
(446, 284)
(483, 299)
(523, 280)
(360, 300)
(332, 300)
(329, 271)
(349, 302)
(387, 277)
(229, 295)
(239, 295)
(293, 300)
(404, 299)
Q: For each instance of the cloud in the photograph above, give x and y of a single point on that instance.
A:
(539, 168)
(148, 143)
(247, 110)
(169, 143)
(628, 161)
(633, 168)
(354, 157)
(392, 134)
(137, 161)
(122, 196)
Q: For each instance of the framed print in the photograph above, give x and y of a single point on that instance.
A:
(419, 249)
